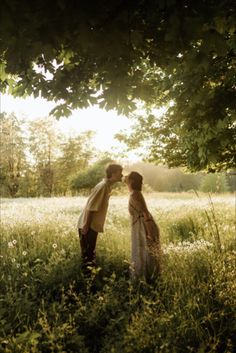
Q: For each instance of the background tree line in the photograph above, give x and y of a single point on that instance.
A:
(38, 160)
(161, 178)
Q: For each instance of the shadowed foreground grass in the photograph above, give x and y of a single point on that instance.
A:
(47, 305)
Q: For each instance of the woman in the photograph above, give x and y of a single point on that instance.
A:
(145, 234)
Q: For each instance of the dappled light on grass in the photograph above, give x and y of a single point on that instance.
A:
(48, 305)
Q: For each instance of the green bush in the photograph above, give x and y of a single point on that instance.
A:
(215, 183)
(89, 178)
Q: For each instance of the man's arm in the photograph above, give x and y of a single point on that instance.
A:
(94, 204)
(88, 221)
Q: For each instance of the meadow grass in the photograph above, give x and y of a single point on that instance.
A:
(48, 305)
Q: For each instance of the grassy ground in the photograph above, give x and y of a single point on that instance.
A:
(47, 305)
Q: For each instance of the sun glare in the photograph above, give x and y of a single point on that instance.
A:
(104, 124)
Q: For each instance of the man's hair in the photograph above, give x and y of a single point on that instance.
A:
(112, 168)
(136, 180)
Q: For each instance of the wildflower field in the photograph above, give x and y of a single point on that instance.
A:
(47, 305)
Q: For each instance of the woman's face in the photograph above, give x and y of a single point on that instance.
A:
(127, 181)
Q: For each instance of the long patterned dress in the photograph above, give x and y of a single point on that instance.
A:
(145, 252)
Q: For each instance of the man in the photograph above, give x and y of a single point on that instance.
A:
(92, 218)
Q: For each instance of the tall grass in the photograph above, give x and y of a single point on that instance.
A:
(47, 305)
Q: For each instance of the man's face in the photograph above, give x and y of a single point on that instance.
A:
(117, 176)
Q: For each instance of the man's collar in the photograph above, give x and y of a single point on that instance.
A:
(108, 182)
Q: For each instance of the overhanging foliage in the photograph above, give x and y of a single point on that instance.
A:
(118, 52)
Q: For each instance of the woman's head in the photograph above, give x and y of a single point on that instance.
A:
(134, 180)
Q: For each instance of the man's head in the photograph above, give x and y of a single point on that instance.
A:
(114, 172)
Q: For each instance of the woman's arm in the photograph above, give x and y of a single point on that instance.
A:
(141, 205)
(148, 222)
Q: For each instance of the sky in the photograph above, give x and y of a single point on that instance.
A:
(105, 124)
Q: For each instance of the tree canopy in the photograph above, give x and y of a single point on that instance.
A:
(118, 53)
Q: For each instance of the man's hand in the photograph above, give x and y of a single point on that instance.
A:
(85, 229)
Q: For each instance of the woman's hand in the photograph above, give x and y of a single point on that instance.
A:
(149, 236)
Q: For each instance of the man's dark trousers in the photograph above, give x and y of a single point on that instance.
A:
(88, 245)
